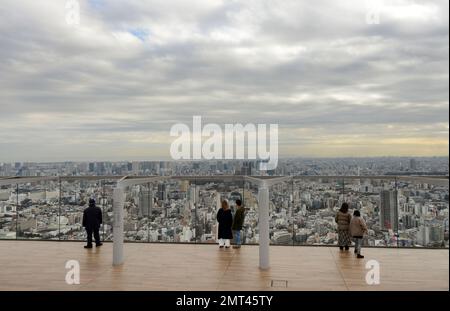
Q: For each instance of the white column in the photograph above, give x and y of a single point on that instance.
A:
(263, 223)
(119, 200)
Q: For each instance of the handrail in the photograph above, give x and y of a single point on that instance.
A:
(431, 179)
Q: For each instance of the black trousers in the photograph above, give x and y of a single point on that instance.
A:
(96, 233)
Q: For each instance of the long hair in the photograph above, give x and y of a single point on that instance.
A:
(225, 205)
(344, 208)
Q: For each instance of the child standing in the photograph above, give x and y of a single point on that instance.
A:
(358, 228)
(238, 223)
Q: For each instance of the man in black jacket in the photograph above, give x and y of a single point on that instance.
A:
(92, 219)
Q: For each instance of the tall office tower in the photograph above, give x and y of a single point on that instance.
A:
(135, 168)
(101, 168)
(193, 195)
(389, 210)
(246, 168)
(145, 203)
(413, 164)
(220, 166)
(423, 235)
(83, 167)
(7, 169)
(436, 233)
(91, 167)
(161, 192)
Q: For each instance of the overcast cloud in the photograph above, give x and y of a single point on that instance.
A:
(112, 87)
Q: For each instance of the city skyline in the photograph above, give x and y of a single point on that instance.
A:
(111, 87)
(399, 213)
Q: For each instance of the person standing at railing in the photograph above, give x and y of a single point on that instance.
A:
(343, 219)
(358, 228)
(92, 219)
(225, 219)
(238, 223)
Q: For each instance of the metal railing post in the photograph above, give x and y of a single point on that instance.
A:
(263, 224)
(119, 200)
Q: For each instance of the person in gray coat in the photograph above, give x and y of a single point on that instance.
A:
(343, 219)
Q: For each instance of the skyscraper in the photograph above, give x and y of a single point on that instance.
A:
(246, 168)
(161, 192)
(145, 203)
(135, 167)
(413, 164)
(389, 210)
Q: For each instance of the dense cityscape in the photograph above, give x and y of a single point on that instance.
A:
(403, 212)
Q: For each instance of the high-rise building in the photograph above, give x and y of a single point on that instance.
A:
(389, 210)
(246, 168)
(413, 164)
(161, 192)
(135, 167)
(101, 168)
(145, 203)
(408, 222)
(423, 235)
(91, 167)
(436, 233)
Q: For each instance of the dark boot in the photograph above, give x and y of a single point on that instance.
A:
(88, 246)
(99, 244)
(359, 256)
(347, 248)
(341, 248)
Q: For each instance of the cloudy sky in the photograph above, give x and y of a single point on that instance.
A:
(111, 87)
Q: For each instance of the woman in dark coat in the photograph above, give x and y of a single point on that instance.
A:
(225, 219)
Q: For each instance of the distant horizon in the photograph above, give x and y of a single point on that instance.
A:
(231, 160)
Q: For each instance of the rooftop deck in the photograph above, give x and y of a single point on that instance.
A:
(38, 265)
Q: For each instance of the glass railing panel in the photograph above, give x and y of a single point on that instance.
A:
(250, 230)
(106, 204)
(315, 204)
(177, 218)
(161, 211)
(38, 210)
(75, 196)
(204, 198)
(136, 213)
(399, 211)
(210, 194)
(8, 214)
(377, 201)
(423, 214)
(281, 221)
